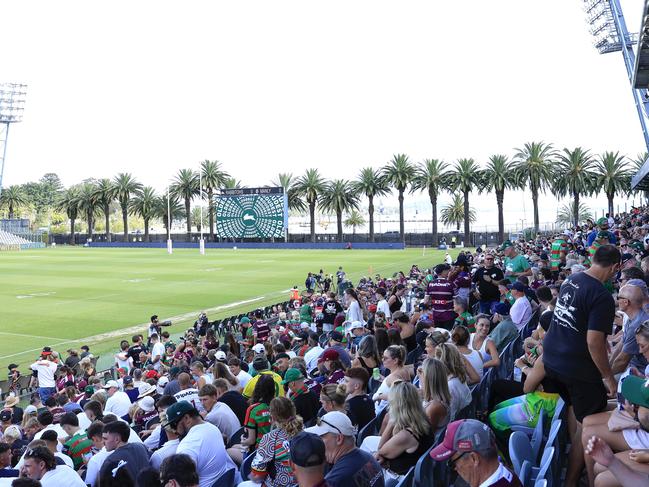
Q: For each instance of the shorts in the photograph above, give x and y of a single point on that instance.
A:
(586, 398)
(636, 439)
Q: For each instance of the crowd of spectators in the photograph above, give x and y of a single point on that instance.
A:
(280, 398)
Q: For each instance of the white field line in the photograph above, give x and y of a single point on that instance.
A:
(138, 328)
(28, 336)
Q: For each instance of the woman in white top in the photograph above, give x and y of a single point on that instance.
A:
(394, 358)
(354, 311)
(459, 372)
(481, 342)
(460, 337)
(433, 377)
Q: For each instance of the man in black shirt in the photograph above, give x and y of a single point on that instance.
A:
(330, 310)
(234, 399)
(306, 402)
(135, 350)
(487, 278)
(360, 407)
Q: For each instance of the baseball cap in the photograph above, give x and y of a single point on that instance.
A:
(464, 435)
(5, 415)
(602, 222)
(355, 325)
(604, 234)
(260, 363)
(329, 354)
(259, 348)
(292, 375)
(336, 336)
(127, 380)
(636, 390)
(220, 356)
(307, 450)
(505, 245)
(304, 325)
(334, 422)
(151, 374)
(30, 409)
(626, 257)
(46, 351)
(111, 383)
(146, 404)
(518, 286)
(372, 308)
(89, 390)
(176, 411)
(12, 366)
(245, 319)
(638, 246)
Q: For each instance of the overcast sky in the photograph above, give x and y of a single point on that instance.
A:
(267, 87)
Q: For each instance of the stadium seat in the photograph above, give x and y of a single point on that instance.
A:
(236, 437)
(541, 483)
(4, 388)
(373, 386)
(520, 450)
(535, 434)
(525, 473)
(428, 472)
(225, 480)
(545, 469)
(407, 480)
(246, 466)
(370, 429)
(152, 422)
(23, 383)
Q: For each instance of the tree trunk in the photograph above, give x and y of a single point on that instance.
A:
(107, 216)
(89, 218)
(188, 210)
(125, 220)
(370, 210)
(433, 203)
(11, 211)
(72, 220)
(210, 195)
(401, 222)
(500, 197)
(575, 210)
(610, 197)
(457, 225)
(339, 225)
(312, 220)
(535, 203)
(146, 230)
(466, 219)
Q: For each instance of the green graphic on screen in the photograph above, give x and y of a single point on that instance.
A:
(251, 213)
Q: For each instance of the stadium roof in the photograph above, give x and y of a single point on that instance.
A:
(641, 70)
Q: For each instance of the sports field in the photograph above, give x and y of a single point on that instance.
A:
(67, 297)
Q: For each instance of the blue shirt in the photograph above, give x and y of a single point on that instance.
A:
(356, 469)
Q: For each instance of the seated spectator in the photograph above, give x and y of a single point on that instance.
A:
(521, 310)
(394, 360)
(235, 400)
(261, 366)
(460, 336)
(169, 447)
(332, 398)
(434, 339)
(242, 376)
(116, 440)
(481, 342)
(435, 393)
(179, 471)
(469, 446)
(305, 401)
(118, 402)
(626, 475)
(40, 464)
(221, 371)
(51, 440)
(349, 465)
(218, 413)
(367, 355)
(331, 368)
(11, 404)
(77, 445)
(5, 462)
(336, 339)
(458, 376)
(271, 465)
(359, 405)
(505, 330)
(464, 317)
(308, 459)
(95, 434)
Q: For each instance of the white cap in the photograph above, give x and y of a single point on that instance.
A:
(162, 382)
(354, 325)
(146, 389)
(259, 348)
(146, 404)
(111, 383)
(220, 356)
(304, 325)
(334, 422)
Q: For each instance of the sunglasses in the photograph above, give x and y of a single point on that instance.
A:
(321, 421)
(452, 463)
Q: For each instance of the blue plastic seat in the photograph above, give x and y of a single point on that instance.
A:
(541, 483)
(520, 450)
(535, 434)
(246, 466)
(407, 480)
(236, 437)
(525, 473)
(225, 480)
(544, 471)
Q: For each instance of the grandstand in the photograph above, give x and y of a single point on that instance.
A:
(10, 241)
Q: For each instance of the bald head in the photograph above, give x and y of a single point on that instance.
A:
(184, 380)
(635, 295)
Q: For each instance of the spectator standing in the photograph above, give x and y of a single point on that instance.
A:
(157, 351)
(515, 264)
(440, 293)
(45, 369)
(487, 278)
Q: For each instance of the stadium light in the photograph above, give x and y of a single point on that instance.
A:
(12, 105)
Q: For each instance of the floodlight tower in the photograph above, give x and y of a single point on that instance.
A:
(12, 104)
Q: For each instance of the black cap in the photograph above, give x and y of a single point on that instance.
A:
(336, 336)
(307, 450)
(260, 363)
(176, 411)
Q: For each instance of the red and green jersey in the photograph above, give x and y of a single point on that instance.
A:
(258, 419)
(78, 448)
(466, 319)
(558, 244)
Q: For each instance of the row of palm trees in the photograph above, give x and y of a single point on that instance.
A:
(537, 166)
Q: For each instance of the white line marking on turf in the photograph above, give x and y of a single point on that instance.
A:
(138, 280)
(28, 336)
(34, 295)
(213, 269)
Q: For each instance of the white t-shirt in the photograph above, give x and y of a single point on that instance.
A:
(521, 312)
(94, 466)
(224, 419)
(460, 396)
(62, 475)
(204, 444)
(118, 404)
(46, 370)
(244, 377)
(68, 461)
(191, 396)
(385, 307)
(312, 356)
(157, 350)
(168, 449)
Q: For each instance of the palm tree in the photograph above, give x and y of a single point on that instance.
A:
(637, 164)
(497, 177)
(13, 197)
(431, 175)
(566, 213)
(310, 186)
(338, 197)
(88, 204)
(231, 183)
(185, 186)
(144, 204)
(168, 210)
(464, 176)
(371, 183)
(286, 181)
(453, 213)
(105, 194)
(214, 178)
(574, 176)
(69, 202)
(199, 217)
(533, 168)
(399, 173)
(613, 176)
(125, 187)
(355, 219)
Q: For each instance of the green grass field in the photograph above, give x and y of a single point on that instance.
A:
(67, 297)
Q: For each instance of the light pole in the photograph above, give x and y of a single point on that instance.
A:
(170, 248)
(201, 242)
(12, 104)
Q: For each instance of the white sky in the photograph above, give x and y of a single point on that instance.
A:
(267, 87)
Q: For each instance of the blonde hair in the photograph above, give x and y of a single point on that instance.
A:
(100, 397)
(11, 434)
(283, 413)
(450, 356)
(406, 410)
(434, 385)
(336, 393)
